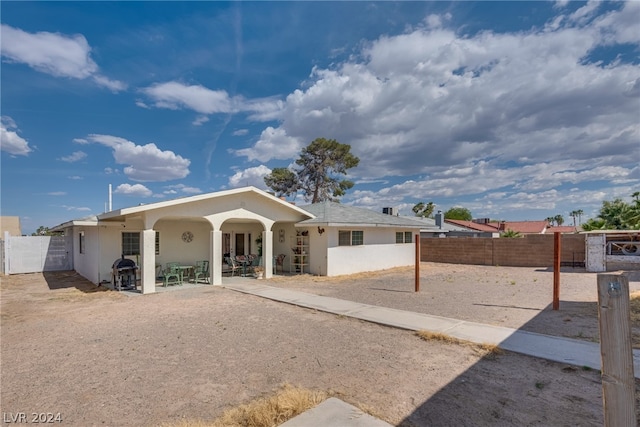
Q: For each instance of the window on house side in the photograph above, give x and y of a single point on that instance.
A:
(81, 242)
(130, 243)
(357, 238)
(404, 237)
(408, 237)
(157, 243)
(350, 238)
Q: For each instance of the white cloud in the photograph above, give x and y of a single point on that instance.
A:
(74, 157)
(53, 53)
(174, 189)
(75, 177)
(252, 176)
(137, 190)
(57, 193)
(176, 95)
(76, 208)
(273, 144)
(240, 132)
(10, 141)
(200, 120)
(112, 85)
(498, 109)
(144, 162)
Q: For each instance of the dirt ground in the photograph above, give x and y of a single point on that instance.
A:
(106, 358)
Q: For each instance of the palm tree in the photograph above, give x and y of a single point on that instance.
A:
(559, 219)
(511, 234)
(573, 214)
(579, 212)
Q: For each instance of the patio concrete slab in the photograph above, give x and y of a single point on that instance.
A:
(335, 412)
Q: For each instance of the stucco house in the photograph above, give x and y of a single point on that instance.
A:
(323, 239)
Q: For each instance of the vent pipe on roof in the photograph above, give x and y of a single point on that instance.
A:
(110, 199)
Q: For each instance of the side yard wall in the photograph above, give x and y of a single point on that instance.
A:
(34, 254)
(533, 250)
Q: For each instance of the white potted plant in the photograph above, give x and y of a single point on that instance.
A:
(259, 272)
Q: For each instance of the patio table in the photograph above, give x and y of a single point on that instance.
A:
(188, 269)
(245, 262)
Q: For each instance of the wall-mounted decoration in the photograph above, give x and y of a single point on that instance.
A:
(281, 235)
(187, 236)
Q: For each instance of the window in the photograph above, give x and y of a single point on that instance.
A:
(357, 238)
(157, 243)
(350, 238)
(81, 242)
(130, 243)
(405, 237)
(408, 237)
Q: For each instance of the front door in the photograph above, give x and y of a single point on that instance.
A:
(240, 244)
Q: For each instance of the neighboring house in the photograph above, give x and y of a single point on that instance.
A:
(11, 225)
(323, 239)
(522, 227)
(487, 229)
(438, 227)
(563, 229)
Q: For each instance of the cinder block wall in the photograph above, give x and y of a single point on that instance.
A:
(532, 250)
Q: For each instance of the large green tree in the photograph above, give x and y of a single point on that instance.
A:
(282, 181)
(424, 210)
(319, 171)
(458, 213)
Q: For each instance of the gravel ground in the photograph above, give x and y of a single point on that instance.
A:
(513, 297)
(104, 358)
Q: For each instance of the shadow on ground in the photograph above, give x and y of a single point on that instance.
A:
(486, 379)
(69, 280)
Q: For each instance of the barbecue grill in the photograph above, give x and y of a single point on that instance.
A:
(124, 274)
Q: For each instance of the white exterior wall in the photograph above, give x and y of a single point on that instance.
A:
(379, 251)
(284, 246)
(87, 264)
(173, 249)
(318, 244)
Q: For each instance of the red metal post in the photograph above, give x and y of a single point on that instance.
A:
(417, 279)
(556, 270)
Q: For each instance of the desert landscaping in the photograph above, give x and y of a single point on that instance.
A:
(99, 357)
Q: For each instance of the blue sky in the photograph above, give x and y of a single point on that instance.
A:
(514, 110)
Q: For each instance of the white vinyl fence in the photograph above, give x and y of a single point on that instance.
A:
(35, 254)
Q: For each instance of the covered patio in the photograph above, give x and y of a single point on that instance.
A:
(183, 232)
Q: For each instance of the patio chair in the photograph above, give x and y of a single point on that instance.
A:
(201, 271)
(255, 262)
(172, 275)
(232, 265)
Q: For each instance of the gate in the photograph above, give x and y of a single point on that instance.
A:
(35, 254)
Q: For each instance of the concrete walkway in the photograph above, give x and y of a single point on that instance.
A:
(557, 349)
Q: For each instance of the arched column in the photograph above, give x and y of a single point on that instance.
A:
(215, 261)
(267, 253)
(148, 267)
